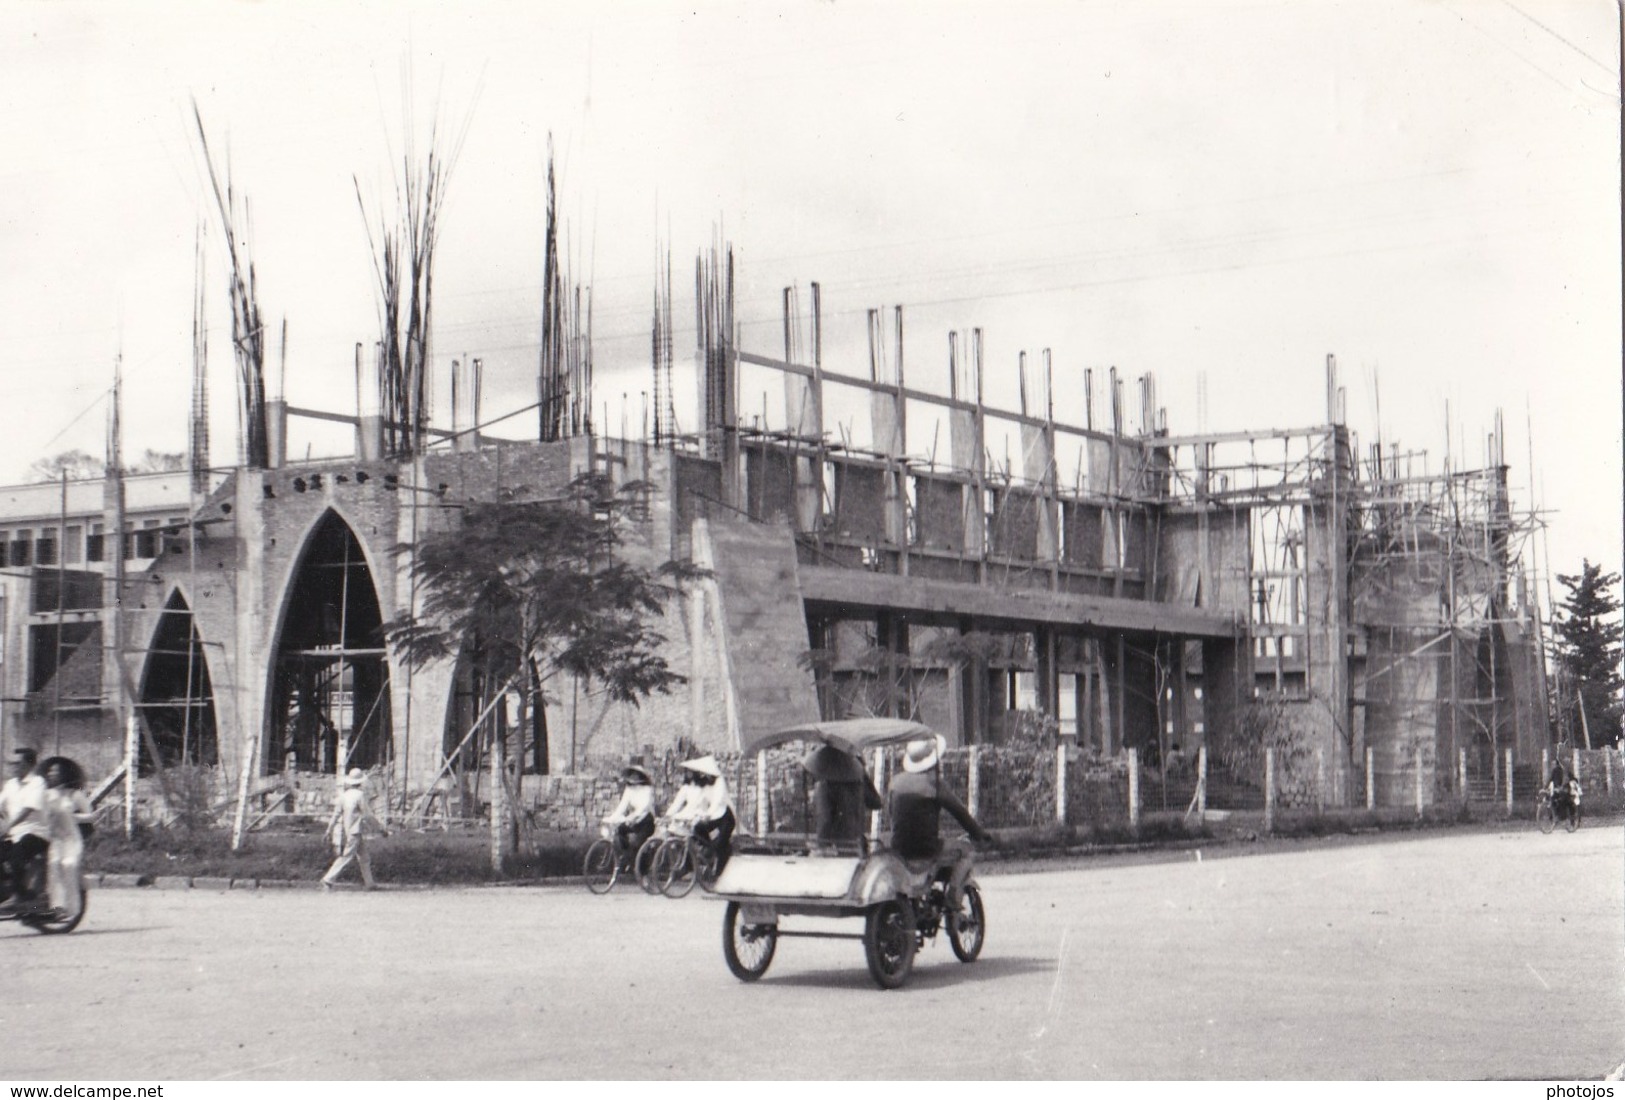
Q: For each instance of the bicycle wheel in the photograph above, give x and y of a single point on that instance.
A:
(888, 942)
(748, 948)
(1573, 821)
(58, 921)
(676, 869)
(967, 925)
(643, 864)
(707, 865)
(1545, 815)
(600, 866)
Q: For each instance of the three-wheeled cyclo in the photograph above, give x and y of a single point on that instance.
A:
(903, 903)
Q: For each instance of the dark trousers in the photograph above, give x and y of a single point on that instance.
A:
(717, 834)
(18, 854)
(631, 835)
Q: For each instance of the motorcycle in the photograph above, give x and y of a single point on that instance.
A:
(42, 916)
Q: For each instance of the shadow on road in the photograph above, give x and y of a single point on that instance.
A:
(944, 972)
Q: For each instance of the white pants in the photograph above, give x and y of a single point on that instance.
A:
(355, 850)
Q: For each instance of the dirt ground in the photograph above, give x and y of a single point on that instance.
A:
(1456, 957)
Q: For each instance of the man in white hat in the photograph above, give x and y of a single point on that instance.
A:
(347, 829)
(917, 799)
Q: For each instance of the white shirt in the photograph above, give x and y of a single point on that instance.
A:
(16, 797)
(712, 801)
(638, 800)
(683, 803)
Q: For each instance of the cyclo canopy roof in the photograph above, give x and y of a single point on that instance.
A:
(850, 735)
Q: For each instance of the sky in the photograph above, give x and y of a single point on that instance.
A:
(1219, 193)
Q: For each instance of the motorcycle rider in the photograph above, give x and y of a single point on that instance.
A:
(917, 799)
(27, 829)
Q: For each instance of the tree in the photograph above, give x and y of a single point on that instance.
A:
(1587, 644)
(159, 462)
(528, 592)
(77, 465)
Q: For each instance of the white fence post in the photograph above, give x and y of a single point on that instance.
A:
(1545, 768)
(1419, 802)
(1461, 772)
(973, 794)
(1575, 773)
(761, 793)
(1060, 784)
(1134, 787)
(1608, 771)
(1320, 779)
(1509, 780)
(1201, 785)
(1370, 773)
(1269, 790)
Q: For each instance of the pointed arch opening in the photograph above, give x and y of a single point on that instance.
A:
(330, 670)
(176, 697)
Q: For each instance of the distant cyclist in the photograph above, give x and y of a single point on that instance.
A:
(634, 816)
(1564, 791)
(712, 810)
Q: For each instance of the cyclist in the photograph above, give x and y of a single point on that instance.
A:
(1564, 791)
(23, 817)
(634, 816)
(712, 810)
(917, 799)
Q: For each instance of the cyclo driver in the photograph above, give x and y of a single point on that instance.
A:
(917, 799)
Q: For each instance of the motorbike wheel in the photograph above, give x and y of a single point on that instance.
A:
(748, 948)
(889, 942)
(600, 866)
(59, 922)
(676, 869)
(1546, 816)
(645, 862)
(967, 925)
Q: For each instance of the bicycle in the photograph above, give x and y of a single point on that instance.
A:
(1546, 814)
(683, 861)
(648, 857)
(605, 863)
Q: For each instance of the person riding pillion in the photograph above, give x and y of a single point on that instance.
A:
(634, 816)
(916, 799)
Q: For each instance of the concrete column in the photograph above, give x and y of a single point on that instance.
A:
(1134, 787)
(1269, 790)
(973, 795)
(1060, 784)
(1201, 784)
(761, 794)
(276, 433)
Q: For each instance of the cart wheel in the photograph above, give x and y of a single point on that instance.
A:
(889, 942)
(747, 947)
(644, 864)
(967, 925)
(600, 866)
(675, 868)
(58, 921)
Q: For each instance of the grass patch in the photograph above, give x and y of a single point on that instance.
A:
(297, 851)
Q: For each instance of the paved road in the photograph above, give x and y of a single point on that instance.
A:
(1453, 957)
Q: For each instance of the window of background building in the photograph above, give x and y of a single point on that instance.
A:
(22, 546)
(73, 545)
(94, 544)
(45, 547)
(146, 539)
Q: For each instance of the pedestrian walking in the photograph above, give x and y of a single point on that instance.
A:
(348, 829)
